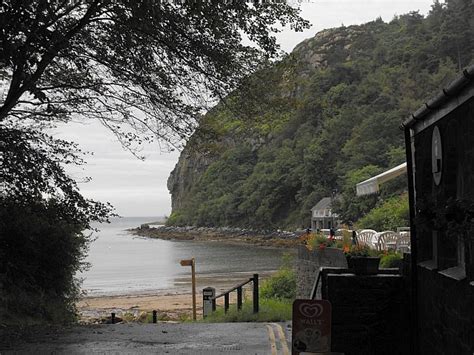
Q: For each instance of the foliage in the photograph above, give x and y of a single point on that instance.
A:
(282, 285)
(41, 249)
(319, 241)
(271, 310)
(151, 66)
(113, 61)
(455, 217)
(33, 167)
(175, 219)
(146, 70)
(358, 250)
(349, 206)
(327, 117)
(391, 260)
(391, 214)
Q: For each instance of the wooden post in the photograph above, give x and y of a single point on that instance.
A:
(193, 277)
(226, 302)
(192, 263)
(255, 293)
(112, 318)
(214, 304)
(239, 298)
(154, 316)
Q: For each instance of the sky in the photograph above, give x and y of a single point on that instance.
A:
(138, 188)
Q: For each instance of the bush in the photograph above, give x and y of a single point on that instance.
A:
(282, 285)
(40, 253)
(391, 214)
(392, 260)
(176, 219)
(317, 241)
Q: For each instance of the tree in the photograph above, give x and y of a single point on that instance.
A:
(146, 69)
(152, 66)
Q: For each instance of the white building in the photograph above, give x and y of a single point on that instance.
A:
(322, 216)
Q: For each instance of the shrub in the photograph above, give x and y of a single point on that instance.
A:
(176, 219)
(392, 260)
(282, 285)
(40, 253)
(391, 214)
(317, 241)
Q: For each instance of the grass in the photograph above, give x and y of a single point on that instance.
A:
(271, 310)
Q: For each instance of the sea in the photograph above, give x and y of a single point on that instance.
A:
(124, 264)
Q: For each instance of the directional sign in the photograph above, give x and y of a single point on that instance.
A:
(188, 262)
(311, 326)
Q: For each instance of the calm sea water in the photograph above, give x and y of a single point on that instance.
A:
(125, 264)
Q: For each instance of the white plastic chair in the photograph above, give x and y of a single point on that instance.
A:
(364, 237)
(386, 240)
(403, 244)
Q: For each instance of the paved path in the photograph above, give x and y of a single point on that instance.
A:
(161, 338)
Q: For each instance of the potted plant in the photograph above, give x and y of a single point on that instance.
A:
(360, 261)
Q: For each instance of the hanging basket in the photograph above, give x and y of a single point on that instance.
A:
(363, 265)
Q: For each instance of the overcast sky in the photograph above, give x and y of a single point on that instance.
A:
(138, 188)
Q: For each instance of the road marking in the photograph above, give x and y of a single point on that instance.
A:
(271, 335)
(284, 344)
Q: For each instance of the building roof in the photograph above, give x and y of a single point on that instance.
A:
(372, 185)
(440, 100)
(323, 204)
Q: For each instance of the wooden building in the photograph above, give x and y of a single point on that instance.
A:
(440, 164)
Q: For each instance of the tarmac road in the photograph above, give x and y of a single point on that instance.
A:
(161, 338)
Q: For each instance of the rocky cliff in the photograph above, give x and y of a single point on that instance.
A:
(322, 119)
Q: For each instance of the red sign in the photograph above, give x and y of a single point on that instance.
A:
(311, 326)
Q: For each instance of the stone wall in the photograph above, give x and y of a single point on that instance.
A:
(308, 264)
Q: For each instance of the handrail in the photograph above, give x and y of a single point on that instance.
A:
(315, 286)
(238, 288)
(234, 288)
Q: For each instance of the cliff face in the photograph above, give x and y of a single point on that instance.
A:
(322, 119)
(191, 165)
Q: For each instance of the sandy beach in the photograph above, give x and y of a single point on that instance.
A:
(171, 306)
(133, 274)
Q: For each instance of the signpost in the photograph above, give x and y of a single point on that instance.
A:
(311, 326)
(191, 262)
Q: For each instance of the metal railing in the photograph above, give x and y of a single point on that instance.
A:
(239, 289)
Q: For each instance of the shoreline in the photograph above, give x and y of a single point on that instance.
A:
(172, 305)
(175, 304)
(272, 239)
(97, 309)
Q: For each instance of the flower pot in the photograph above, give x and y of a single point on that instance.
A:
(363, 265)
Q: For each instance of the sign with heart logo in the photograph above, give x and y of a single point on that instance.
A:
(311, 310)
(311, 326)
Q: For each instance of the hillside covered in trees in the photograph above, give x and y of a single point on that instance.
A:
(322, 119)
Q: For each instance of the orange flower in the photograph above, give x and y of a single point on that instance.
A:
(346, 249)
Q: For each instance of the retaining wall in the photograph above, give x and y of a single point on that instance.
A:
(308, 264)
